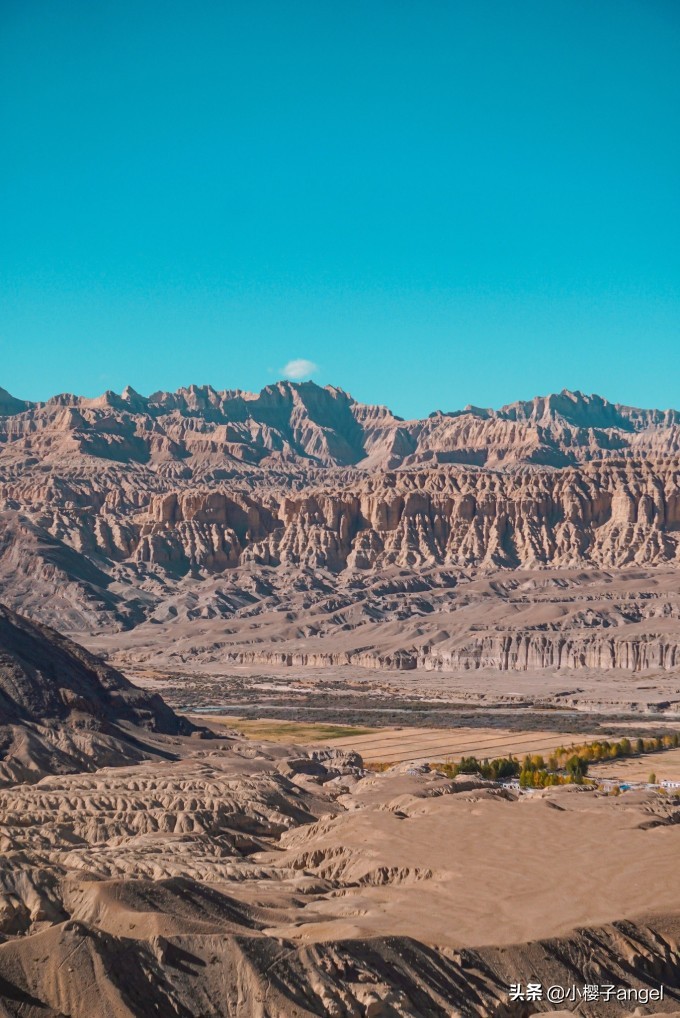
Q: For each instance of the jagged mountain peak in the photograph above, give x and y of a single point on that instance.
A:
(291, 422)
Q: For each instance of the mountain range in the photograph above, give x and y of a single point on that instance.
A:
(298, 526)
(302, 425)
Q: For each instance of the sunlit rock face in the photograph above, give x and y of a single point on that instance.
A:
(325, 530)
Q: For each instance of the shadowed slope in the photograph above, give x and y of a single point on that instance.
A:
(62, 709)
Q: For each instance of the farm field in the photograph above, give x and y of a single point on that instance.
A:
(429, 745)
(286, 732)
(422, 745)
(665, 765)
(401, 745)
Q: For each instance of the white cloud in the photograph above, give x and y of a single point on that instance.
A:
(300, 368)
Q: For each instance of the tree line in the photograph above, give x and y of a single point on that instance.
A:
(565, 765)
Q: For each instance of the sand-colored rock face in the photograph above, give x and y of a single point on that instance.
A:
(311, 529)
(304, 424)
(604, 516)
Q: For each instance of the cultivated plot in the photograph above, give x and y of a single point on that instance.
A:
(421, 745)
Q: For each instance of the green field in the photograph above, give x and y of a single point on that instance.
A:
(285, 731)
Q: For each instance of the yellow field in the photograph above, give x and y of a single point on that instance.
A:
(432, 745)
(422, 745)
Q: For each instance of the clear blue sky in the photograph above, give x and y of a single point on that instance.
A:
(436, 202)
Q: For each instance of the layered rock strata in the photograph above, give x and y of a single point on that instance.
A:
(126, 512)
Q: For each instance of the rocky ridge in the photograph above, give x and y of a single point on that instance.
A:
(323, 524)
(302, 425)
(64, 710)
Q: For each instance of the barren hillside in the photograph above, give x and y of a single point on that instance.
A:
(299, 526)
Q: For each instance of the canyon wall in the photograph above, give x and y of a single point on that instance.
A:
(323, 530)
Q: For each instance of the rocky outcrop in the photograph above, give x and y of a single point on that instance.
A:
(62, 709)
(530, 651)
(607, 515)
(396, 976)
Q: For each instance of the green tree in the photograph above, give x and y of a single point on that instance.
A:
(577, 768)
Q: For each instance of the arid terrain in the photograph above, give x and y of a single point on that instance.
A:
(208, 874)
(240, 633)
(300, 528)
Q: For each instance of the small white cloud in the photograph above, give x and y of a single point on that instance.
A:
(300, 368)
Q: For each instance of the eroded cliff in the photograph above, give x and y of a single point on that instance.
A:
(291, 516)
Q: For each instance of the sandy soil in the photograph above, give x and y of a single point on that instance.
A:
(666, 767)
(288, 877)
(471, 870)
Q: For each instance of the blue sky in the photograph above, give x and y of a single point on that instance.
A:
(434, 203)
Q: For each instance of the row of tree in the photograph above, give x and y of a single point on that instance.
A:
(593, 752)
(564, 766)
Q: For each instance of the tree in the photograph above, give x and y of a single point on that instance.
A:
(577, 768)
(505, 768)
